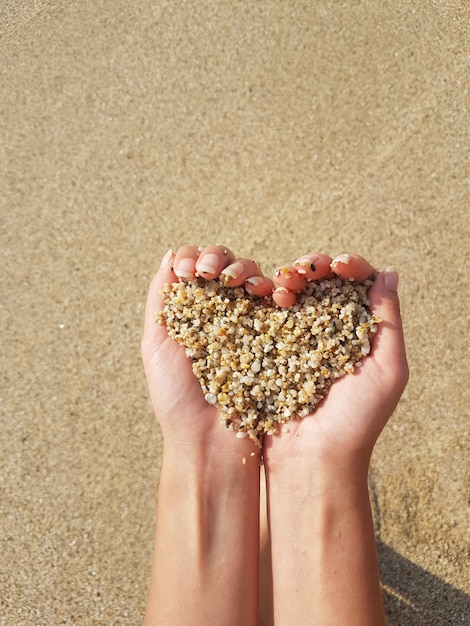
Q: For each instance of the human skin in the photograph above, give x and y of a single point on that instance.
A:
(323, 548)
(319, 512)
(205, 566)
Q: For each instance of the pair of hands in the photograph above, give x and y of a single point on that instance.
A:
(344, 427)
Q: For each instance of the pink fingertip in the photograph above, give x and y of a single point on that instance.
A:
(341, 258)
(391, 278)
(259, 286)
(185, 269)
(255, 280)
(284, 298)
(167, 259)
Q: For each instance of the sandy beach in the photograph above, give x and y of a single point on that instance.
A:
(275, 128)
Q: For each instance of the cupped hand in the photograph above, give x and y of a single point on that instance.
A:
(346, 424)
(184, 415)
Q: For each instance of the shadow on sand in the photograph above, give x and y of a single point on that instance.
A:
(415, 597)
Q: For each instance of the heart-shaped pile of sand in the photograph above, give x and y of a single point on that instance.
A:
(260, 364)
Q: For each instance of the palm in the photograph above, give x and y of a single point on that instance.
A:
(349, 418)
(358, 405)
(179, 403)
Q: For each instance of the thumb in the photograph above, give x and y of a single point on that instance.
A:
(389, 345)
(154, 333)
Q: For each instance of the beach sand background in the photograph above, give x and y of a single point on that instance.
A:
(275, 128)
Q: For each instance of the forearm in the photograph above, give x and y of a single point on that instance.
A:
(205, 568)
(322, 535)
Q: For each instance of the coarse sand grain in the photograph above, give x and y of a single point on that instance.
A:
(263, 365)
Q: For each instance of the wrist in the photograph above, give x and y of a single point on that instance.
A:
(209, 467)
(317, 474)
(210, 479)
(214, 449)
(203, 491)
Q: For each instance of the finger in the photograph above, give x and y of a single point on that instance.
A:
(388, 348)
(185, 262)
(286, 276)
(237, 273)
(292, 279)
(212, 260)
(165, 275)
(352, 266)
(284, 298)
(260, 286)
(314, 266)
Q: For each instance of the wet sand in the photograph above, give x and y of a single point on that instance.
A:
(275, 128)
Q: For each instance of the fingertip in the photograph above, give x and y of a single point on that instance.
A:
(352, 266)
(213, 260)
(184, 262)
(314, 266)
(284, 298)
(167, 259)
(389, 343)
(165, 273)
(383, 297)
(287, 277)
(391, 278)
(164, 276)
(260, 286)
(236, 274)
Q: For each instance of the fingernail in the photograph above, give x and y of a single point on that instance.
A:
(233, 271)
(391, 278)
(255, 280)
(166, 259)
(284, 271)
(341, 258)
(306, 263)
(185, 268)
(209, 264)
